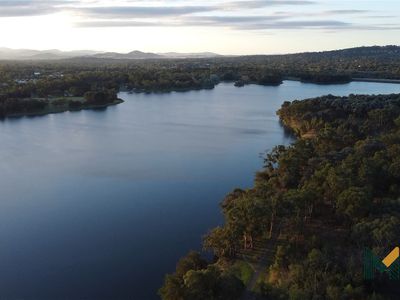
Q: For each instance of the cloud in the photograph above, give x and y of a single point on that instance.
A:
(261, 3)
(260, 15)
(32, 3)
(242, 23)
(142, 11)
(108, 23)
(185, 21)
(214, 20)
(346, 11)
(92, 9)
(24, 11)
(22, 8)
(266, 23)
(380, 17)
(134, 16)
(323, 13)
(327, 24)
(135, 11)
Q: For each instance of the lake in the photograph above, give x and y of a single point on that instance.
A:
(101, 204)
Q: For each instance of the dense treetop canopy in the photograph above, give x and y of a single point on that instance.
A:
(332, 193)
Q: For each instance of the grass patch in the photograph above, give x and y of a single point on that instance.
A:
(243, 271)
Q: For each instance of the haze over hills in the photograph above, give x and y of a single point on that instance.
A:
(131, 55)
(26, 54)
(53, 54)
(386, 52)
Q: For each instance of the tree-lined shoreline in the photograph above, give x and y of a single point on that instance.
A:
(313, 209)
(30, 80)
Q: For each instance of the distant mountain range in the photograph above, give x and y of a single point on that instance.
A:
(53, 54)
(20, 54)
(381, 52)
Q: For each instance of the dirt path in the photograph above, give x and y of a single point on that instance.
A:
(262, 265)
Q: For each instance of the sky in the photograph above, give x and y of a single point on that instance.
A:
(221, 26)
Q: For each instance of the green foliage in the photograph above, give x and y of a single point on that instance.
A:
(330, 194)
(192, 261)
(242, 270)
(211, 284)
(195, 279)
(100, 97)
(354, 202)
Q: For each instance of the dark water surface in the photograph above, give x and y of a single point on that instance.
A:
(101, 204)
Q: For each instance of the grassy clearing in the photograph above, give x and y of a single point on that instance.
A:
(243, 271)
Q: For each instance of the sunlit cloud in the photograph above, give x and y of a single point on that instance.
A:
(261, 4)
(142, 11)
(220, 24)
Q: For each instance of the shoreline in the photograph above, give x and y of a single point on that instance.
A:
(377, 80)
(61, 110)
(167, 91)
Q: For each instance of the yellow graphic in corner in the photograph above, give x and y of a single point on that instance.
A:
(389, 265)
(391, 258)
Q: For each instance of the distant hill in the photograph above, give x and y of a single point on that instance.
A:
(131, 55)
(28, 54)
(378, 52)
(374, 51)
(190, 55)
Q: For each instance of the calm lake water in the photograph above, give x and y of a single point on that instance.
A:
(101, 204)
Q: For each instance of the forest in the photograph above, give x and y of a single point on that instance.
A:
(30, 80)
(314, 207)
